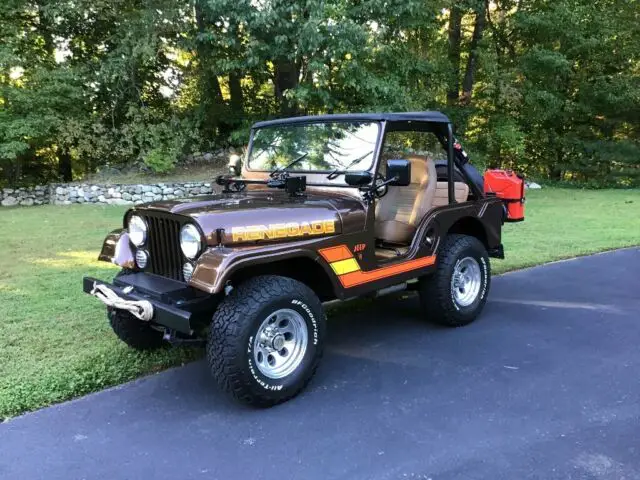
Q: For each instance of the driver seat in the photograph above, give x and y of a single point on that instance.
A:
(399, 212)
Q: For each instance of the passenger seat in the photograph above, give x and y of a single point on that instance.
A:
(399, 212)
(441, 196)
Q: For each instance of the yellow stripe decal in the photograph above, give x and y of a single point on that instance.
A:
(345, 266)
(348, 270)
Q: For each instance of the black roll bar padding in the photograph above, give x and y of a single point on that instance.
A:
(447, 144)
(450, 163)
(472, 185)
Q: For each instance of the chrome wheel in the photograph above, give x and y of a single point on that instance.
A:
(466, 281)
(280, 343)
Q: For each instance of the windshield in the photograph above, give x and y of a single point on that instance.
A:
(323, 147)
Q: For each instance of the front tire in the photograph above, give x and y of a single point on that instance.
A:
(266, 340)
(134, 332)
(456, 293)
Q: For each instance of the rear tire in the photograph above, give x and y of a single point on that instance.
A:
(455, 294)
(266, 340)
(134, 332)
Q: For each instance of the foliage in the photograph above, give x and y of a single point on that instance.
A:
(50, 352)
(549, 88)
(160, 161)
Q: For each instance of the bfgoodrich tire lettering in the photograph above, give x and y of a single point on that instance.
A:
(232, 339)
(437, 296)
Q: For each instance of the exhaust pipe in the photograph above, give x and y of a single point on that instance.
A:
(392, 289)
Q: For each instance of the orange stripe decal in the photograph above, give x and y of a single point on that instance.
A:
(358, 278)
(335, 256)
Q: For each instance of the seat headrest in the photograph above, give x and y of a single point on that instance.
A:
(419, 168)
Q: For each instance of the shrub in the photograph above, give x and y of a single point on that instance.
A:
(160, 160)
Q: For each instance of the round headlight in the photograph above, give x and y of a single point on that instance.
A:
(190, 241)
(142, 258)
(137, 230)
(187, 271)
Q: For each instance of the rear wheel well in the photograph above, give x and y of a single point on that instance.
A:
(302, 269)
(470, 226)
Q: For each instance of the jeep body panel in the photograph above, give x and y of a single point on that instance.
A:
(263, 208)
(116, 249)
(220, 262)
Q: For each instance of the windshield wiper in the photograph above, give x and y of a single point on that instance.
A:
(338, 171)
(287, 167)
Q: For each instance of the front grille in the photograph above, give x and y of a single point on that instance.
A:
(163, 243)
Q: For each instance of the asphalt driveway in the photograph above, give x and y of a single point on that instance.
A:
(545, 385)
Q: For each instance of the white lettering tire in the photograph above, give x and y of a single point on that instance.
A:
(455, 294)
(266, 340)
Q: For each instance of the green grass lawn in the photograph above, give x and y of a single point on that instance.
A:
(55, 342)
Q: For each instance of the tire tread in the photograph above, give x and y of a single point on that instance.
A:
(435, 290)
(225, 345)
(135, 333)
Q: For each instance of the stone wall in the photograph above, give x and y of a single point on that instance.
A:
(67, 194)
(37, 195)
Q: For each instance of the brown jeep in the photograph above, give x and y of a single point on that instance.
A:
(323, 208)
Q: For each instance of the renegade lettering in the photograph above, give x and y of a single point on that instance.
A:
(282, 230)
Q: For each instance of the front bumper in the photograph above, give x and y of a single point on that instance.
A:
(175, 305)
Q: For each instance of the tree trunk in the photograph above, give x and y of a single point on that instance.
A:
(472, 61)
(235, 91)
(455, 21)
(212, 102)
(287, 74)
(64, 166)
(236, 96)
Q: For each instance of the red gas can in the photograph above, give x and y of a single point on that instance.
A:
(508, 186)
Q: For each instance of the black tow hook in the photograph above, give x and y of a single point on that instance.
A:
(171, 337)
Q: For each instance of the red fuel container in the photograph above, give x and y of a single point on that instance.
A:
(508, 186)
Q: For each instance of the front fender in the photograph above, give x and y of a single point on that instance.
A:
(116, 249)
(218, 264)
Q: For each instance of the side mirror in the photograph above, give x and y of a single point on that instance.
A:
(398, 172)
(358, 179)
(235, 164)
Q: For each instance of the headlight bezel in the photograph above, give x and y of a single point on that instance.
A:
(196, 236)
(139, 222)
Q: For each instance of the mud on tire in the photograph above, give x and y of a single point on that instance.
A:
(234, 346)
(135, 333)
(438, 297)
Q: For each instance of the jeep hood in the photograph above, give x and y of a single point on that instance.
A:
(269, 215)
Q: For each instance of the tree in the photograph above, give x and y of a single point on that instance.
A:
(549, 88)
